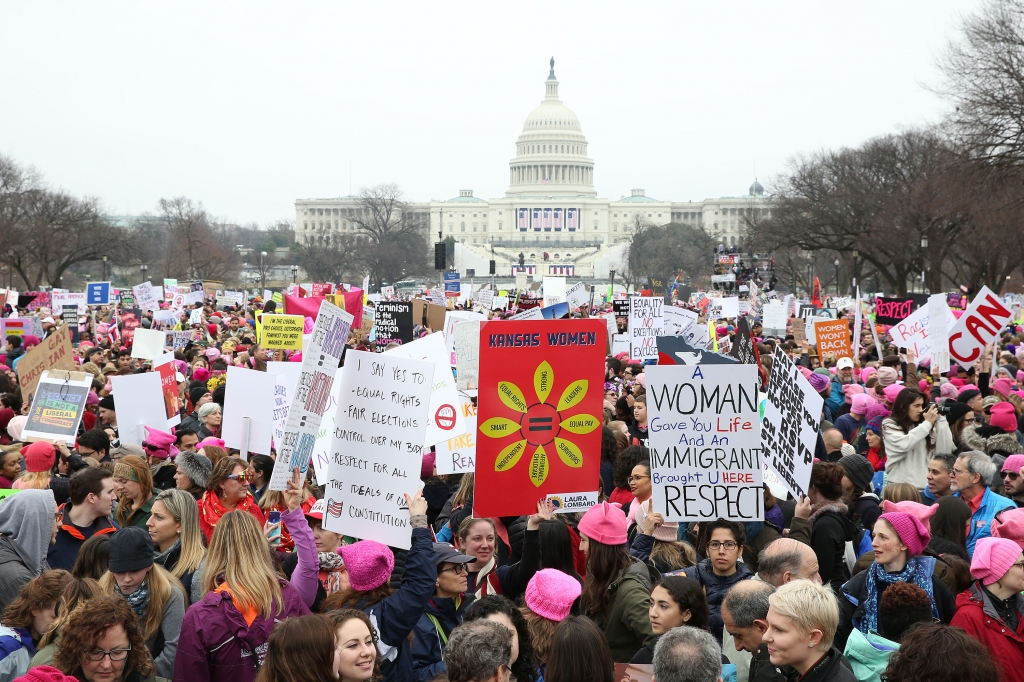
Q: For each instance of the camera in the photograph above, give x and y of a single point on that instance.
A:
(941, 409)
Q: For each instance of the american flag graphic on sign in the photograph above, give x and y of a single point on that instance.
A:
(334, 508)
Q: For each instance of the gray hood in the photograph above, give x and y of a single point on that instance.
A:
(27, 519)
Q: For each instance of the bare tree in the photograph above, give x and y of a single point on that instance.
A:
(393, 242)
(196, 248)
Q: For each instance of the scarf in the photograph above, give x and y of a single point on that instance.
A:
(483, 585)
(330, 561)
(775, 517)
(916, 572)
(137, 600)
(211, 508)
(837, 507)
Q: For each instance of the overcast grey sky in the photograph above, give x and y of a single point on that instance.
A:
(248, 106)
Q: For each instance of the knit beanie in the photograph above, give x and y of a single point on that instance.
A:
(860, 404)
(107, 402)
(131, 549)
(1013, 463)
(923, 512)
(368, 563)
(956, 410)
(968, 387)
(1004, 417)
(859, 470)
(818, 382)
(551, 593)
(875, 425)
(887, 376)
(159, 443)
(604, 523)
(993, 558)
(1002, 387)
(200, 374)
(1009, 524)
(197, 467)
(196, 393)
(45, 673)
(850, 390)
(948, 390)
(866, 373)
(891, 392)
(39, 456)
(910, 529)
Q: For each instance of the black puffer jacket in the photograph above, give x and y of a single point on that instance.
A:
(830, 532)
(715, 588)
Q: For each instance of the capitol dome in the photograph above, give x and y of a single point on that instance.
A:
(551, 152)
(756, 190)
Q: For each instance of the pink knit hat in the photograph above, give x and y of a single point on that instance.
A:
(369, 564)
(993, 558)
(860, 404)
(1004, 416)
(891, 391)
(550, 594)
(1009, 524)
(1013, 463)
(850, 390)
(45, 673)
(968, 387)
(1003, 387)
(866, 373)
(159, 444)
(887, 376)
(922, 511)
(948, 390)
(604, 523)
(910, 529)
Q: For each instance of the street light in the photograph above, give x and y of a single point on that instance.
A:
(924, 247)
(837, 276)
(853, 276)
(144, 268)
(295, 270)
(611, 284)
(104, 268)
(263, 277)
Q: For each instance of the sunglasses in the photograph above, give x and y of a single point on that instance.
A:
(245, 477)
(151, 448)
(1009, 474)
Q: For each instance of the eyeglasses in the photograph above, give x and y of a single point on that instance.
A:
(457, 569)
(637, 479)
(115, 654)
(1019, 564)
(245, 477)
(151, 448)
(728, 544)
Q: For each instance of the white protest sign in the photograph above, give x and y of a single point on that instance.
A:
(282, 391)
(678, 320)
(554, 290)
(387, 292)
(139, 401)
(165, 317)
(467, 355)
(291, 371)
(499, 302)
(450, 319)
(913, 332)
(147, 343)
(705, 441)
(437, 297)
(977, 327)
(377, 450)
(320, 358)
(576, 296)
(145, 297)
(443, 418)
(620, 344)
(457, 455)
(193, 297)
(841, 303)
(724, 308)
(789, 431)
(178, 340)
(69, 298)
(196, 316)
(646, 324)
(774, 317)
(938, 330)
(529, 314)
(249, 399)
(325, 436)
(485, 297)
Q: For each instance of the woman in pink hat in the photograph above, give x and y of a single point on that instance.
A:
(550, 597)
(617, 591)
(992, 610)
(899, 541)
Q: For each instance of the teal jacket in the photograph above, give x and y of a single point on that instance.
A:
(981, 522)
(868, 655)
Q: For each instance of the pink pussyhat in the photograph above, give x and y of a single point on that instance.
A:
(922, 511)
(551, 593)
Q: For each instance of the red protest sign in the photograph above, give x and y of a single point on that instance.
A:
(977, 327)
(539, 412)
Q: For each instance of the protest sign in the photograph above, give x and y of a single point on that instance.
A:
(724, 308)
(131, 320)
(529, 314)
(745, 350)
(977, 327)
(620, 344)
(499, 303)
(164, 366)
(678, 320)
(576, 296)
(321, 454)
(145, 296)
(705, 441)
(282, 331)
(451, 319)
(147, 344)
(53, 352)
(485, 298)
(646, 323)
(554, 290)
(677, 350)
(75, 298)
(196, 316)
(833, 339)
(248, 404)
(380, 425)
(789, 428)
(466, 337)
(97, 293)
(139, 401)
(309, 401)
(620, 307)
(57, 407)
(452, 280)
(457, 455)
(540, 396)
(443, 419)
(15, 326)
(840, 303)
(69, 316)
(557, 311)
(914, 335)
(392, 323)
(892, 310)
(938, 330)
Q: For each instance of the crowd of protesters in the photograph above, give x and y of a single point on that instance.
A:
(125, 563)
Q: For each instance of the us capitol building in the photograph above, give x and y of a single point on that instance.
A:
(550, 212)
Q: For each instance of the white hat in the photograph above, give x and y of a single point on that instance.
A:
(844, 363)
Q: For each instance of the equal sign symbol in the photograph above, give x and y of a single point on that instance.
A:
(539, 424)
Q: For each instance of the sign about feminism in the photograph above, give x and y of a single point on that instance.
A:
(705, 440)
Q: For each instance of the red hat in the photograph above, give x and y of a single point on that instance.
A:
(39, 457)
(604, 523)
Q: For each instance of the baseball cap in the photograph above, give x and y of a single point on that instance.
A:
(844, 363)
(317, 510)
(446, 554)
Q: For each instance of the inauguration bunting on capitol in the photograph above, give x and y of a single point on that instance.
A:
(538, 413)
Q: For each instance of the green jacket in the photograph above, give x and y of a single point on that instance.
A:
(626, 622)
(142, 516)
(868, 654)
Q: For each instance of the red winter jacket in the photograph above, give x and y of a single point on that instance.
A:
(974, 613)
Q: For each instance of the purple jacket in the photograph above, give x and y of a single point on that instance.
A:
(216, 644)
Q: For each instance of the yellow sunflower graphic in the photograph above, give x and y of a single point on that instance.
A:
(540, 425)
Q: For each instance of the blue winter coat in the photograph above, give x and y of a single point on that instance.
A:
(981, 521)
(428, 642)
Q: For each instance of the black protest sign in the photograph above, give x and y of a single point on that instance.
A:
(620, 307)
(392, 323)
(656, 285)
(676, 350)
(892, 310)
(69, 314)
(744, 348)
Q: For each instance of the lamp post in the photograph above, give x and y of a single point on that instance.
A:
(143, 268)
(263, 276)
(924, 248)
(611, 285)
(295, 272)
(104, 268)
(853, 277)
(837, 276)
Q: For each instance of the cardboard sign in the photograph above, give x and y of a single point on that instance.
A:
(833, 339)
(282, 331)
(53, 352)
(892, 310)
(443, 418)
(789, 428)
(977, 327)
(392, 323)
(705, 441)
(248, 398)
(457, 455)
(913, 333)
(147, 343)
(139, 400)
(646, 323)
(539, 412)
(57, 407)
(309, 402)
(97, 293)
(380, 425)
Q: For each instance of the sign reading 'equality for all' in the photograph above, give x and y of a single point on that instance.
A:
(705, 440)
(376, 453)
(646, 324)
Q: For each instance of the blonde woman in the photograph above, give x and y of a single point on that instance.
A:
(133, 485)
(802, 621)
(174, 528)
(156, 596)
(39, 459)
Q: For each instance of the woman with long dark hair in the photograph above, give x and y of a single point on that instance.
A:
(675, 601)
(499, 609)
(831, 527)
(557, 542)
(911, 434)
(616, 594)
(302, 649)
(949, 527)
(609, 457)
(579, 653)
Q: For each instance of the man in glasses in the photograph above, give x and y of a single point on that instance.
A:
(971, 477)
(1013, 481)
